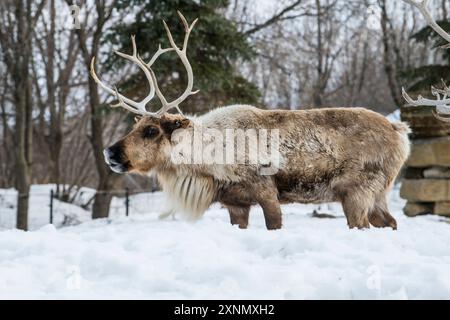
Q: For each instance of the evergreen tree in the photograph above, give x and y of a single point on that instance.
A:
(425, 76)
(214, 48)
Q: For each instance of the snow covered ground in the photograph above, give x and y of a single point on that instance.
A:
(146, 258)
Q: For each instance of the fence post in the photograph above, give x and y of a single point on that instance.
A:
(51, 206)
(127, 201)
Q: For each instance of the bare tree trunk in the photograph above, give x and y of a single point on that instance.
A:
(102, 203)
(444, 9)
(389, 66)
(57, 89)
(23, 127)
(102, 200)
(324, 55)
(362, 73)
(22, 171)
(16, 43)
(318, 92)
(55, 135)
(7, 157)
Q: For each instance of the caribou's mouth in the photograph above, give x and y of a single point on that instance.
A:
(118, 168)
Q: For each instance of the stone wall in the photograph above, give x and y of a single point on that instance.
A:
(427, 175)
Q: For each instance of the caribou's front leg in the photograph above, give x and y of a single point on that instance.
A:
(239, 216)
(266, 194)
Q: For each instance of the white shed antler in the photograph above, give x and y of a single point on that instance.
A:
(140, 107)
(442, 102)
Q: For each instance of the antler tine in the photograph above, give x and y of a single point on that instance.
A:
(169, 35)
(157, 54)
(126, 103)
(135, 59)
(165, 105)
(122, 103)
(444, 85)
(183, 19)
(97, 80)
(159, 93)
(445, 91)
(187, 29)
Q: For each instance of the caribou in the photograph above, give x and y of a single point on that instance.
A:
(346, 155)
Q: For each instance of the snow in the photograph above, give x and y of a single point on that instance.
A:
(394, 116)
(64, 213)
(39, 212)
(142, 257)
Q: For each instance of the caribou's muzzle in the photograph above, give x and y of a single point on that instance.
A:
(115, 159)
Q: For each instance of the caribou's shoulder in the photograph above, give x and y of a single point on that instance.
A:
(228, 114)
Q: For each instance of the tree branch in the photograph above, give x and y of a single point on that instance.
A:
(274, 19)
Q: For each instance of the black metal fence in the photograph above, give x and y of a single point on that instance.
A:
(66, 207)
(126, 193)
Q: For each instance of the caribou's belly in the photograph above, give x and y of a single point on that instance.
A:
(297, 188)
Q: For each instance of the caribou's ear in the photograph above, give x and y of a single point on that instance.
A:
(170, 123)
(137, 119)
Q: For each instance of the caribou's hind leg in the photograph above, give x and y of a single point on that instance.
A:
(379, 215)
(266, 195)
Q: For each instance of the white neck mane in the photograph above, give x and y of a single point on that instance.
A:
(188, 194)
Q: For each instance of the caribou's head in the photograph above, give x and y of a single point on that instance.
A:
(148, 144)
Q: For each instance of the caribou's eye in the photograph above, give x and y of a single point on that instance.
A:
(150, 132)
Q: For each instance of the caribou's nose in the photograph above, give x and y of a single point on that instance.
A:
(115, 158)
(106, 155)
(114, 155)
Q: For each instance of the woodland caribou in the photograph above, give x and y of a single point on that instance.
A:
(349, 155)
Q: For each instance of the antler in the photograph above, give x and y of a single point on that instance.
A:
(182, 54)
(441, 103)
(140, 107)
(126, 103)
